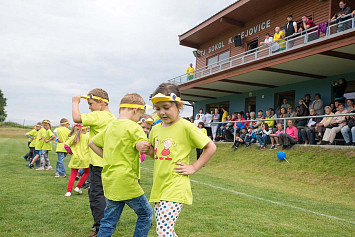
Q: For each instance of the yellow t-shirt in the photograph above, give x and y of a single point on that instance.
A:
(97, 120)
(190, 70)
(270, 123)
(224, 116)
(173, 144)
(80, 157)
(39, 143)
(33, 134)
(63, 133)
(120, 159)
(47, 145)
(278, 36)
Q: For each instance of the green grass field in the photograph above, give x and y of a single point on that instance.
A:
(245, 193)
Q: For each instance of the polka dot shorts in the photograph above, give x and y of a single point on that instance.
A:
(166, 214)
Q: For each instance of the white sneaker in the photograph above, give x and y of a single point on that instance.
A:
(78, 190)
(68, 194)
(40, 168)
(49, 168)
(57, 175)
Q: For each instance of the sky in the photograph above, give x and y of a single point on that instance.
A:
(53, 50)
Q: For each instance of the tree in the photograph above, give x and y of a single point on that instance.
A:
(3, 104)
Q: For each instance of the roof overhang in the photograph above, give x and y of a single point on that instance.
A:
(231, 18)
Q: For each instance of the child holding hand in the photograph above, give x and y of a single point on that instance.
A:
(122, 141)
(173, 140)
(77, 146)
(47, 137)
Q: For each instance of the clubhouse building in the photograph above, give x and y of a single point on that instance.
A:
(234, 71)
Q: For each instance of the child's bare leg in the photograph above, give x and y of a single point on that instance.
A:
(272, 141)
(277, 140)
(34, 159)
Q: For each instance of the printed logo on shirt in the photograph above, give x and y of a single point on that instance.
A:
(165, 153)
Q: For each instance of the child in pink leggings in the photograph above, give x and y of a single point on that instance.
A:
(77, 146)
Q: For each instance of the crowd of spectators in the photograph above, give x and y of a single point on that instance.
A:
(321, 131)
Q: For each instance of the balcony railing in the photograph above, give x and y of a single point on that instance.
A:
(306, 37)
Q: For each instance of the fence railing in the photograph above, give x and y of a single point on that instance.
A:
(306, 37)
(278, 119)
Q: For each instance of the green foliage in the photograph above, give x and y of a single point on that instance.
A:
(319, 180)
(3, 103)
(14, 125)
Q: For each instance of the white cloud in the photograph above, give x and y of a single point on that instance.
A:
(53, 50)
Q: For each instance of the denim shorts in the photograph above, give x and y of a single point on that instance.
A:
(38, 152)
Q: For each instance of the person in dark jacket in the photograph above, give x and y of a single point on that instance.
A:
(339, 90)
(290, 30)
(308, 134)
(303, 111)
(340, 16)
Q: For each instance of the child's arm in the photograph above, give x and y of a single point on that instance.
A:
(98, 150)
(75, 109)
(29, 136)
(50, 139)
(185, 169)
(145, 147)
(55, 132)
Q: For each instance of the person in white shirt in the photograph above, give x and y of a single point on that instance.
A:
(197, 120)
(208, 119)
(268, 39)
(202, 116)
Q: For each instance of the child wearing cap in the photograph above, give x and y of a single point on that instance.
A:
(38, 146)
(77, 146)
(47, 137)
(61, 134)
(32, 141)
(98, 119)
(122, 141)
(173, 141)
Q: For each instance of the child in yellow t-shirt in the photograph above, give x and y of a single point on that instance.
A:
(97, 120)
(38, 147)
(61, 134)
(31, 142)
(47, 137)
(77, 146)
(122, 141)
(146, 124)
(173, 141)
(201, 126)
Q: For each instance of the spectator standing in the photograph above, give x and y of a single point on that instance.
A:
(308, 24)
(317, 104)
(190, 72)
(303, 111)
(344, 10)
(278, 36)
(208, 119)
(215, 118)
(202, 115)
(332, 107)
(290, 138)
(285, 104)
(335, 126)
(268, 40)
(197, 120)
(349, 129)
(308, 134)
(307, 99)
(224, 115)
(339, 90)
(290, 30)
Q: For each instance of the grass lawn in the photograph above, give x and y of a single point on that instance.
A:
(242, 193)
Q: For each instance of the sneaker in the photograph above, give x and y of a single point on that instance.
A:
(78, 190)
(57, 175)
(235, 148)
(68, 194)
(272, 147)
(30, 166)
(93, 229)
(49, 168)
(94, 234)
(277, 146)
(40, 168)
(288, 147)
(25, 157)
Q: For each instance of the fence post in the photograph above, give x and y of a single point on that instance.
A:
(284, 125)
(234, 132)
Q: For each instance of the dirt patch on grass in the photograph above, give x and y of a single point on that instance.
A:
(17, 133)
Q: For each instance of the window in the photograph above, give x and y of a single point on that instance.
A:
(218, 58)
(250, 104)
(252, 45)
(289, 95)
(350, 90)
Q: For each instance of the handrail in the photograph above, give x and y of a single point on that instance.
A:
(284, 119)
(298, 35)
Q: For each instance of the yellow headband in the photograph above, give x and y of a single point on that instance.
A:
(47, 121)
(94, 97)
(133, 106)
(65, 122)
(162, 98)
(149, 121)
